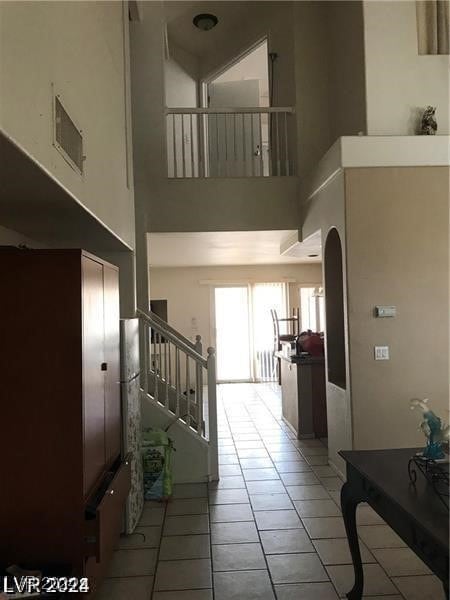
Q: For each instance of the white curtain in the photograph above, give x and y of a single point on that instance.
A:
(433, 26)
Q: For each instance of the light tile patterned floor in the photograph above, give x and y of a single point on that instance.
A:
(270, 529)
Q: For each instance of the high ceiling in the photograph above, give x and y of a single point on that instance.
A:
(195, 249)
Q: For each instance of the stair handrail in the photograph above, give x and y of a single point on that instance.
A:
(177, 340)
(207, 429)
(168, 327)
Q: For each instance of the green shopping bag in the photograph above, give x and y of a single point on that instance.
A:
(157, 450)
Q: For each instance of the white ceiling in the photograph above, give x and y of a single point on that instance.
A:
(195, 249)
(183, 32)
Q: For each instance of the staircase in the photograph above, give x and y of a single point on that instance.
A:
(179, 391)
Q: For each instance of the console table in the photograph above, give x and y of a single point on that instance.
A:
(415, 512)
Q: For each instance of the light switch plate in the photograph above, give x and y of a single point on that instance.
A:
(385, 311)
(381, 352)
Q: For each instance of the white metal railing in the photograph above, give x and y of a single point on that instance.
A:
(230, 142)
(180, 378)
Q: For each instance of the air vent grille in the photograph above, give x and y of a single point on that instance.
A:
(68, 139)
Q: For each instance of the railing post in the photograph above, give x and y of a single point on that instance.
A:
(212, 416)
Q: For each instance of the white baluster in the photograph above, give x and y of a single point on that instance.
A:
(244, 141)
(286, 144)
(276, 117)
(143, 332)
(177, 381)
(155, 365)
(174, 142)
(261, 158)
(199, 386)
(235, 170)
(183, 146)
(167, 403)
(188, 392)
(252, 144)
(217, 144)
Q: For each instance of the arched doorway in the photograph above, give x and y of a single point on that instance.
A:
(334, 310)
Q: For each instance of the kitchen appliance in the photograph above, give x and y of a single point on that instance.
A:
(131, 417)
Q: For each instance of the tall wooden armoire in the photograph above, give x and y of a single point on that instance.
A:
(63, 482)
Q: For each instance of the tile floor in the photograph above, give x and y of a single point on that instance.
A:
(269, 529)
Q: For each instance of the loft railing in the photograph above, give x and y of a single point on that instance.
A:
(180, 378)
(230, 142)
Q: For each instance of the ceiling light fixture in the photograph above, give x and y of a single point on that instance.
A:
(205, 21)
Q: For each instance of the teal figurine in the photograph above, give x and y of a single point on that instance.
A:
(434, 429)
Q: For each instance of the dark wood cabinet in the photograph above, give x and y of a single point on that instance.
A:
(303, 395)
(63, 480)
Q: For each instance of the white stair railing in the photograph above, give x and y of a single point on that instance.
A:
(230, 142)
(177, 375)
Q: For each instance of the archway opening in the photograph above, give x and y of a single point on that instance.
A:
(334, 309)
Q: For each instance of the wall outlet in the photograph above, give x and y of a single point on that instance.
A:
(381, 352)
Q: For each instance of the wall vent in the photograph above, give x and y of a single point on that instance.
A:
(67, 137)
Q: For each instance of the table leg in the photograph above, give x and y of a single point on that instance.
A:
(349, 503)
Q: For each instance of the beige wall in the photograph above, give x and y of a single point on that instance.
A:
(322, 211)
(399, 82)
(80, 48)
(397, 254)
(329, 74)
(347, 82)
(188, 299)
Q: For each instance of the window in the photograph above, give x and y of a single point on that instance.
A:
(312, 309)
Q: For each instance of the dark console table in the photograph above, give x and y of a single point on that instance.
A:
(415, 512)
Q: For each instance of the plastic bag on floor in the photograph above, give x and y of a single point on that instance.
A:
(157, 450)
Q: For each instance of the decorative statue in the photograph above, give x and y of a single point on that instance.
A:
(429, 124)
(434, 429)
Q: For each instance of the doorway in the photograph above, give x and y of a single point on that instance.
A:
(238, 142)
(244, 335)
(232, 334)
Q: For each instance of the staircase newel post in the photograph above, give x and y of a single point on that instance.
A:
(212, 416)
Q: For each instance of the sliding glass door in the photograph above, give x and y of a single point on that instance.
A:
(232, 333)
(266, 296)
(244, 330)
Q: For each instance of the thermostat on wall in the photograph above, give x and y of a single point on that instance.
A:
(385, 311)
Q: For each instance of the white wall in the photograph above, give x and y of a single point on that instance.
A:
(180, 87)
(399, 82)
(188, 299)
(80, 48)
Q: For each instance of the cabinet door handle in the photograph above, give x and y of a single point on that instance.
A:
(104, 366)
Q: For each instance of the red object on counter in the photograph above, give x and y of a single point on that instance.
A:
(312, 343)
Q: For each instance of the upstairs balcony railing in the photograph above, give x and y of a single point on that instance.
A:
(230, 142)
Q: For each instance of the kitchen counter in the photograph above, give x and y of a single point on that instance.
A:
(303, 394)
(301, 359)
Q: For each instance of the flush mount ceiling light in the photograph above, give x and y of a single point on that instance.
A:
(205, 22)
